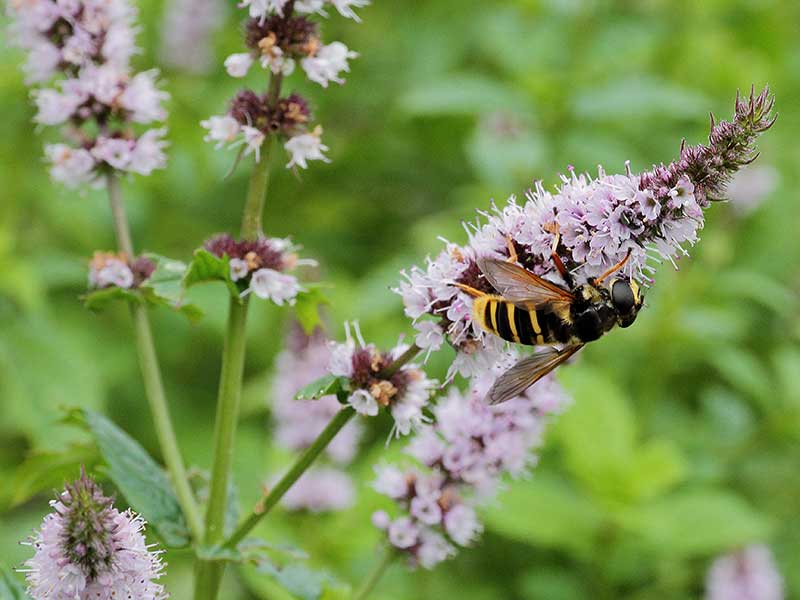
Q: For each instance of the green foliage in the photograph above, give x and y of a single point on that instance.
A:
(308, 305)
(682, 440)
(599, 436)
(306, 584)
(144, 484)
(44, 471)
(326, 385)
(699, 522)
(10, 586)
(207, 267)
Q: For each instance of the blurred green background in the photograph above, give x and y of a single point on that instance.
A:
(682, 442)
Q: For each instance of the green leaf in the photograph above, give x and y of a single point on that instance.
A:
(697, 523)
(758, 287)
(657, 467)
(218, 553)
(206, 267)
(546, 512)
(461, 94)
(166, 284)
(638, 98)
(324, 386)
(99, 300)
(304, 583)
(598, 433)
(10, 586)
(45, 471)
(144, 484)
(307, 307)
(745, 373)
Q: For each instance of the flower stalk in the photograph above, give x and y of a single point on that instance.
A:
(375, 575)
(268, 502)
(230, 393)
(304, 461)
(151, 374)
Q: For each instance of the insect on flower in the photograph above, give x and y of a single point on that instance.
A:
(533, 311)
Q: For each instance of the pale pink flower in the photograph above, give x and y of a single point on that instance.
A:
(86, 549)
(237, 65)
(305, 147)
(269, 284)
(749, 574)
(327, 64)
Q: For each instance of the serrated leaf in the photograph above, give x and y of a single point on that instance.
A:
(307, 307)
(10, 586)
(46, 471)
(206, 267)
(697, 523)
(138, 477)
(324, 386)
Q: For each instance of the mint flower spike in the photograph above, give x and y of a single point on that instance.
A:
(98, 100)
(731, 146)
(462, 459)
(595, 222)
(281, 35)
(87, 550)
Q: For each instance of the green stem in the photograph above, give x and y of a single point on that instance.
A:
(208, 575)
(304, 461)
(229, 395)
(375, 574)
(401, 360)
(257, 194)
(151, 373)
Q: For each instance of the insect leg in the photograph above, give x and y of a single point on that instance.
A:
(512, 252)
(566, 275)
(470, 290)
(613, 269)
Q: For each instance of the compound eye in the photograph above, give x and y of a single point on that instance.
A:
(622, 296)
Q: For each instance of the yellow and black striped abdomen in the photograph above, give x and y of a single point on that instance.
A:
(512, 323)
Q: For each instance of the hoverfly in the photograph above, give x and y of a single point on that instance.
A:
(532, 311)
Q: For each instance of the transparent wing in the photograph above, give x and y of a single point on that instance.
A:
(521, 287)
(526, 372)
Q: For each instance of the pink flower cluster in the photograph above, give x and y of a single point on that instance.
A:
(99, 100)
(109, 269)
(279, 35)
(404, 393)
(67, 36)
(749, 574)
(297, 423)
(465, 455)
(87, 550)
(594, 224)
(259, 267)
